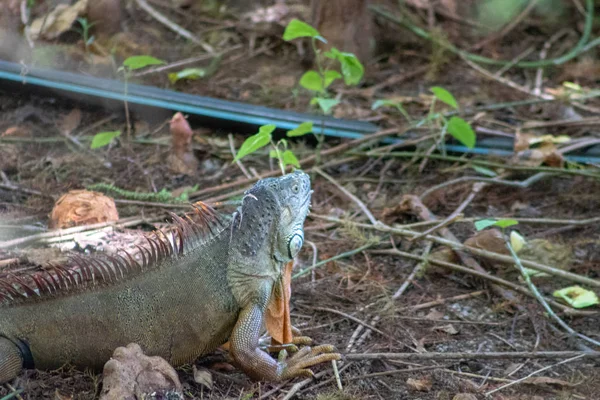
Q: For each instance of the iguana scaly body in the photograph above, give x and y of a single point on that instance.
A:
(189, 292)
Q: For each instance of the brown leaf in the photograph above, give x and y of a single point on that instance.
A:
(421, 385)
(465, 396)
(544, 380)
(449, 329)
(57, 21)
(70, 122)
(434, 315)
(488, 239)
(203, 377)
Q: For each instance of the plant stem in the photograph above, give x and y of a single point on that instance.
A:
(125, 91)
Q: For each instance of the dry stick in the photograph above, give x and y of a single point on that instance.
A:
(479, 274)
(518, 87)
(455, 214)
(478, 252)
(508, 355)
(69, 231)
(535, 373)
(520, 184)
(305, 161)
(539, 75)
(359, 321)
(355, 199)
(238, 162)
(422, 264)
(541, 299)
(173, 26)
(186, 61)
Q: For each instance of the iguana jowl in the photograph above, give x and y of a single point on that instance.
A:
(207, 283)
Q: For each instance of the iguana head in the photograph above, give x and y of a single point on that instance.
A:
(272, 217)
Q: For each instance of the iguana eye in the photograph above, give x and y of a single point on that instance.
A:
(294, 245)
(295, 188)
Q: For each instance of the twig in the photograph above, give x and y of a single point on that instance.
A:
(479, 274)
(173, 26)
(482, 253)
(355, 199)
(508, 355)
(69, 231)
(339, 256)
(455, 214)
(304, 162)
(186, 61)
(539, 74)
(541, 299)
(535, 373)
(238, 162)
(496, 181)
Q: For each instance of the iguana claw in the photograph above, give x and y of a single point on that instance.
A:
(297, 365)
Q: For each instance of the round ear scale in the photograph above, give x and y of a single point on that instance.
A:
(295, 244)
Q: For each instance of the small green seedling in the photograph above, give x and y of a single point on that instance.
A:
(261, 139)
(130, 64)
(84, 31)
(316, 81)
(459, 128)
(102, 139)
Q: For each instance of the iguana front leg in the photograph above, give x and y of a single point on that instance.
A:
(11, 360)
(258, 364)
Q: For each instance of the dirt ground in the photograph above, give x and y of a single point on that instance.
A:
(369, 300)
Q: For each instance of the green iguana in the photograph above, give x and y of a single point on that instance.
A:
(208, 281)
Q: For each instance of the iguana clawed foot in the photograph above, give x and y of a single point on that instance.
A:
(298, 364)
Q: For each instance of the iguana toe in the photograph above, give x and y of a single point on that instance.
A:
(307, 357)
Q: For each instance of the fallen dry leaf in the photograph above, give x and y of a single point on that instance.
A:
(488, 239)
(57, 21)
(203, 377)
(449, 329)
(544, 380)
(70, 122)
(465, 396)
(421, 385)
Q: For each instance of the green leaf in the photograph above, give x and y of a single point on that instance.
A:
(501, 223)
(444, 96)
(577, 297)
(102, 139)
(325, 104)
(137, 62)
(391, 103)
(272, 154)
(462, 131)
(352, 68)
(297, 29)
(484, 171)
(301, 130)
(289, 158)
(331, 76)
(255, 142)
(188, 73)
(311, 80)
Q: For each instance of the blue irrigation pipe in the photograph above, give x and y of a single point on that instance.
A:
(224, 112)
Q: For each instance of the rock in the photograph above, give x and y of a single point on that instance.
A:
(131, 375)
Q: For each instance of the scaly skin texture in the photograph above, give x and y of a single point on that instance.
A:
(192, 296)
